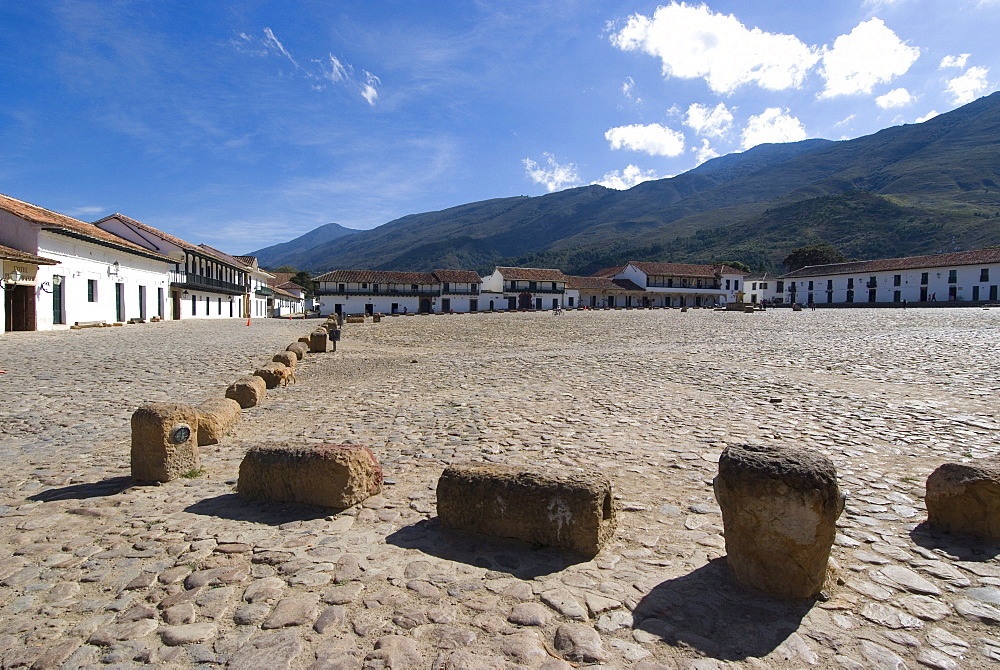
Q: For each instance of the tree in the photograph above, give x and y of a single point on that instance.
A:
(738, 265)
(813, 254)
(285, 268)
(303, 279)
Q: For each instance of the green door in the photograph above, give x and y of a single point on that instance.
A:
(57, 301)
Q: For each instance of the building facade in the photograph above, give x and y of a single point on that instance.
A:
(681, 284)
(377, 291)
(966, 277)
(527, 288)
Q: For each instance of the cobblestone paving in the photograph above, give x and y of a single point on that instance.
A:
(95, 572)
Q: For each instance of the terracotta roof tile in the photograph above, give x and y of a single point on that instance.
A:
(11, 254)
(981, 257)
(602, 284)
(609, 272)
(377, 277)
(458, 276)
(532, 274)
(55, 221)
(684, 269)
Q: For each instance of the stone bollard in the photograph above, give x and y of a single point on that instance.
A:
(247, 391)
(355, 319)
(286, 358)
(573, 511)
(298, 348)
(164, 441)
(274, 374)
(779, 510)
(965, 498)
(376, 318)
(317, 341)
(215, 417)
(328, 475)
(305, 340)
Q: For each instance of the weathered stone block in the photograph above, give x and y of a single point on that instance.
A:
(779, 507)
(575, 511)
(287, 358)
(965, 498)
(216, 416)
(329, 475)
(317, 341)
(274, 374)
(298, 348)
(247, 391)
(164, 441)
(355, 319)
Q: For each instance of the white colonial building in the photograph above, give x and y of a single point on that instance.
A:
(527, 288)
(599, 292)
(961, 277)
(90, 275)
(460, 291)
(205, 282)
(681, 284)
(377, 291)
(763, 289)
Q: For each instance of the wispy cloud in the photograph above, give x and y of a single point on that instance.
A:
(928, 116)
(553, 176)
(954, 61)
(370, 90)
(87, 211)
(653, 139)
(273, 42)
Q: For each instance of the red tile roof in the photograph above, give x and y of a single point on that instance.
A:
(176, 241)
(981, 257)
(532, 274)
(50, 220)
(602, 284)
(16, 255)
(609, 272)
(684, 269)
(377, 277)
(458, 276)
(250, 261)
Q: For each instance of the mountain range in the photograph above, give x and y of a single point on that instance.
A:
(906, 190)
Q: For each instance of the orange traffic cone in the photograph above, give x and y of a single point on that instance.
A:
(248, 320)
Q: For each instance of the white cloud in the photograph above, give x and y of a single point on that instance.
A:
(954, 61)
(897, 97)
(272, 42)
(653, 139)
(705, 152)
(871, 54)
(553, 175)
(370, 89)
(711, 122)
(627, 178)
(627, 87)
(967, 87)
(337, 72)
(693, 41)
(929, 115)
(773, 125)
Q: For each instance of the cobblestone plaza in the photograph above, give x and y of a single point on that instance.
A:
(97, 571)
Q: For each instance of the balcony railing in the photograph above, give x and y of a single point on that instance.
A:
(460, 291)
(187, 280)
(510, 288)
(675, 285)
(676, 289)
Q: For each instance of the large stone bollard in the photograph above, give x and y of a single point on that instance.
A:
(215, 417)
(572, 511)
(274, 374)
(298, 348)
(164, 441)
(965, 498)
(317, 341)
(329, 475)
(286, 358)
(779, 509)
(247, 391)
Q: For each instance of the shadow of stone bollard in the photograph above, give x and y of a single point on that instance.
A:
(779, 509)
(247, 391)
(571, 511)
(164, 441)
(965, 498)
(215, 417)
(329, 475)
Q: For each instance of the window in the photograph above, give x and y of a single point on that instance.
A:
(569, 301)
(727, 284)
(447, 287)
(810, 287)
(763, 286)
(923, 278)
(364, 286)
(952, 276)
(413, 287)
(984, 275)
(781, 287)
(736, 284)
(341, 288)
(829, 284)
(897, 280)
(753, 286)
(91, 290)
(850, 284)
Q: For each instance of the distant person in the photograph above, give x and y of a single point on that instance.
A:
(404, 309)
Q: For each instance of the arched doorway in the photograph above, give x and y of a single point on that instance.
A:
(425, 305)
(524, 301)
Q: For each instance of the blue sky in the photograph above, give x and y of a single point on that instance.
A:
(243, 124)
